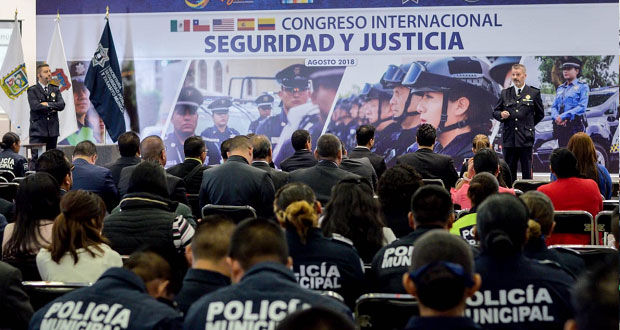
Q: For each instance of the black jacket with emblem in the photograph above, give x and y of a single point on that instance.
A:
(44, 119)
(526, 110)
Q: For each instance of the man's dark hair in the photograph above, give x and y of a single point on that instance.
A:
(239, 142)
(396, 187)
(328, 146)
(595, 297)
(55, 163)
(426, 135)
(261, 146)
(431, 204)
(148, 177)
(486, 160)
(212, 238)
(128, 144)
(363, 134)
(41, 66)
(151, 148)
(316, 318)
(438, 288)
(194, 146)
(148, 266)
(563, 163)
(299, 139)
(258, 240)
(225, 148)
(85, 148)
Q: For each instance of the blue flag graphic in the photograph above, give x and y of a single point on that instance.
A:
(103, 80)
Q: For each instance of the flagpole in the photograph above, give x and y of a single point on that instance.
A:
(107, 12)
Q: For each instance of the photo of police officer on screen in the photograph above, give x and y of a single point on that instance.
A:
(458, 95)
(295, 91)
(263, 103)
(216, 134)
(378, 112)
(568, 111)
(519, 109)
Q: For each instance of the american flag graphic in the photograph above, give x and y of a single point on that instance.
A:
(224, 24)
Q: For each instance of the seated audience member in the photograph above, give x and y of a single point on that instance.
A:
(562, 193)
(152, 149)
(10, 159)
(262, 158)
(122, 298)
(90, 177)
(207, 255)
(298, 211)
(365, 138)
(485, 160)
(146, 216)
(225, 148)
(7, 209)
(15, 308)
(58, 166)
(431, 208)
(129, 148)
(595, 299)
(581, 145)
(360, 166)
(37, 205)
(395, 188)
(481, 186)
(316, 318)
(261, 272)
(325, 174)
(536, 294)
(441, 279)
(540, 226)
(428, 163)
(353, 215)
(237, 183)
(78, 252)
(192, 168)
(303, 157)
(480, 142)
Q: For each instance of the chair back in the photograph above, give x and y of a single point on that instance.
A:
(8, 190)
(385, 311)
(331, 294)
(43, 292)
(7, 175)
(590, 254)
(236, 213)
(610, 204)
(27, 266)
(574, 222)
(527, 185)
(603, 225)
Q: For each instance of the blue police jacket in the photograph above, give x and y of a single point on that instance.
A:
(118, 300)
(11, 161)
(573, 98)
(272, 127)
(266, 294)
(441, 323)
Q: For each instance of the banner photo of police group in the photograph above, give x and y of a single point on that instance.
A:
(220, 69)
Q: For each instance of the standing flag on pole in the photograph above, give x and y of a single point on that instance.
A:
(103, 80)
(60, 76)
(14, 85)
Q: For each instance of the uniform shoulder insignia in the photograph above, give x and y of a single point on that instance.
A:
(341, 239)
(536, 88)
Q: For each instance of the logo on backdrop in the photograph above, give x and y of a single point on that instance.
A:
(412, 1)
(16, 82)
(60, 79)
(196, 4)
(101, 56)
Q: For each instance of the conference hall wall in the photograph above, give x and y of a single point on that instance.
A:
(234, 48)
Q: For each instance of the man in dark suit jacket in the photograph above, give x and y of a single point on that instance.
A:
(262, 158)
(90, 177)
(303, 157)
(129, 147)
(365, 136)
(15, 308)
(428, 163)
(45, 101)
(359, 166)
(237, 183)
(519, 109)
(326, 174)
(152, 149)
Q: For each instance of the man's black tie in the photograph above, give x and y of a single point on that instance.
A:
(45, 89)
(518, 91)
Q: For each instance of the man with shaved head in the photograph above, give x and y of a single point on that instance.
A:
(262, 155)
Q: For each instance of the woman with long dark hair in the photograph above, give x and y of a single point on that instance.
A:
(354, 214)
(10, 159)
(36, 204)
(78, 252)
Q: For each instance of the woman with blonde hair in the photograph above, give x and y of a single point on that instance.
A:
(480, 142)
(582, 146)
(319, 263)
(78, 252)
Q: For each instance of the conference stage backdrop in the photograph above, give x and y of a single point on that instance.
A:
(390, 63)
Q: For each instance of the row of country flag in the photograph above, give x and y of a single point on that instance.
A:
(222, 24)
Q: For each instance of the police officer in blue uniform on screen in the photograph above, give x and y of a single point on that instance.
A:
(220, 131)
(264, 104)
(568, 111)
(184, 120)
(295, 91)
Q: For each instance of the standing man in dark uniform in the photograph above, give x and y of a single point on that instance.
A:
(45, 101)
(216, 134)
(519, 109)
(295, 91)
(264, 104)
(568, 111)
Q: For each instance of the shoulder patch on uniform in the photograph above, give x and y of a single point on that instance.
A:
(341, 239)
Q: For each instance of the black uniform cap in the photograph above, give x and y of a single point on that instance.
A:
(294, 76)
(220, 106)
